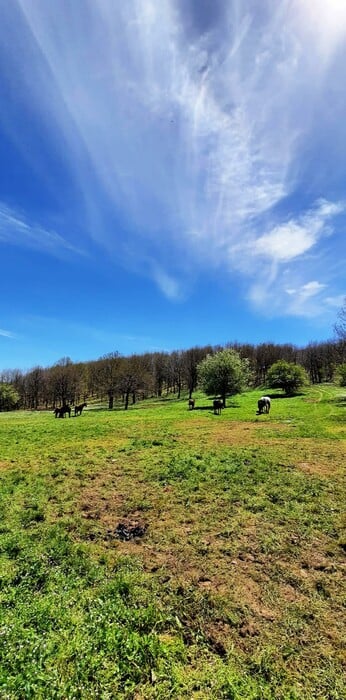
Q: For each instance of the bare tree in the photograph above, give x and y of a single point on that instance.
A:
(160, 371)
(133, 378)
(340, 329)
(176, 366)
(191, 359)
(35, 384)
(63, 381)
(108, 375)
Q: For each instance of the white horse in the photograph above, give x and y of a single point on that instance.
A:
(263, 405)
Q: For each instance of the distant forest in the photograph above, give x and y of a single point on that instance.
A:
(123, 380)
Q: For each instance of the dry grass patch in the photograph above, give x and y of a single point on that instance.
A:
(192, 545)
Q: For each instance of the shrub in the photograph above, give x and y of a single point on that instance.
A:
(9, 397)
(287, 376)
(341, 374)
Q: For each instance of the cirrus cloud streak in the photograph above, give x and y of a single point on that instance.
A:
(195, 123)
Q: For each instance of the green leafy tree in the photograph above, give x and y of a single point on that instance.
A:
(9, 397)
(287, 376)
(341, 374)
(224, 373)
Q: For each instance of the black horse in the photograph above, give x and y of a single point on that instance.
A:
(61, 412)
(78, 409)
(217, 405)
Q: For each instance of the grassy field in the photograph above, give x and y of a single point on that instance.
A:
(235, 585)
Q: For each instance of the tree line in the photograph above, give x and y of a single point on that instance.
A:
(127, 379)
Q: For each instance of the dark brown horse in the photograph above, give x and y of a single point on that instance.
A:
(78, 409)
(217, 405)
(191, 404)
(61, 412)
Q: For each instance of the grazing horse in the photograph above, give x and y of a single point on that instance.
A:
(191, 404)
(78, 409)
(60, 412)
(217, 405)
(263, 405)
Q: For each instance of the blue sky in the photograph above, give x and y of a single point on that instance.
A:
(171, 174)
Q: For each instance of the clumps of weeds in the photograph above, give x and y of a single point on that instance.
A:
(138, 443)
(32, 513)
(322, 588)
(88, 628)
(192, 611)
(132, 505)
(10, 545)
(183, 467)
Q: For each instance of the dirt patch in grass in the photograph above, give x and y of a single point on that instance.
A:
(191, 553)
(278, 584)
(105, 510)
(321, 459)
(314, 468)
(308, 454)
(232, 432)
(7, 465)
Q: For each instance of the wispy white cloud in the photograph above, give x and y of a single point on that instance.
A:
(193, 120)
(16, 230)
(169, 286)
(336, 302)
(309, 289)
(6, 334)
(295, 237)
(280, 262)
(306, 300)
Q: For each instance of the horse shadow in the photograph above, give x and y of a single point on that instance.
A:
(203, 408)
(340, 402)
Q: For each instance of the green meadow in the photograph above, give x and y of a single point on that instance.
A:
(234, 583)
